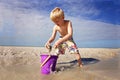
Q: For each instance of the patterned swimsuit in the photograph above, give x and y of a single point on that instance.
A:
(69, 44)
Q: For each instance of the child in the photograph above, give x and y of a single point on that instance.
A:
(64, 27)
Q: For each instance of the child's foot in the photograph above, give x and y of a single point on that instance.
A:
(80, 65)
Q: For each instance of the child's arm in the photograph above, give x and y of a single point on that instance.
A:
(51, 39)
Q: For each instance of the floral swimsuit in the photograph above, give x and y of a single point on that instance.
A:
(70, 44)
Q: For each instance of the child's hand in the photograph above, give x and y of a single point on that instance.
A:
(47, 45)
(55, 46)
(57, 43)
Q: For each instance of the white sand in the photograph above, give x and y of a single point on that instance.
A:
(23, 63)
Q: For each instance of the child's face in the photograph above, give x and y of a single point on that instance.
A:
(59, 21)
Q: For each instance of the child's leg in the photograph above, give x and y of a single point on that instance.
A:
(78, 57)
(74, 50)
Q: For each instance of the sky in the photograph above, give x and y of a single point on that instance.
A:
(96, 23)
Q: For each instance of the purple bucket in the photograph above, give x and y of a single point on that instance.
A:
(50, 65)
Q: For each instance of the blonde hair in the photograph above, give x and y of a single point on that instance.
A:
(56, 13)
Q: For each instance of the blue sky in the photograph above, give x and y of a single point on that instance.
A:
(96, 23)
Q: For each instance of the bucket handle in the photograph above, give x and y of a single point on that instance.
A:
(45, 60)
(49, 48)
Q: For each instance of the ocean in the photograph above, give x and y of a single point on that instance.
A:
(80, 43)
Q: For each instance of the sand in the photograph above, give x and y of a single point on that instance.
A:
(23, 63)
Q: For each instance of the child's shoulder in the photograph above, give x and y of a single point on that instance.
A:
(55, 27)
(67, 21)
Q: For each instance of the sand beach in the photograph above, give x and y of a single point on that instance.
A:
(23, 63)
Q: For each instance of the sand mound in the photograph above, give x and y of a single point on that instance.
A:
(30, 55)
(18, 55)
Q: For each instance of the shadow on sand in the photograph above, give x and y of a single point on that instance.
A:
(68, 65)
(87, 61)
